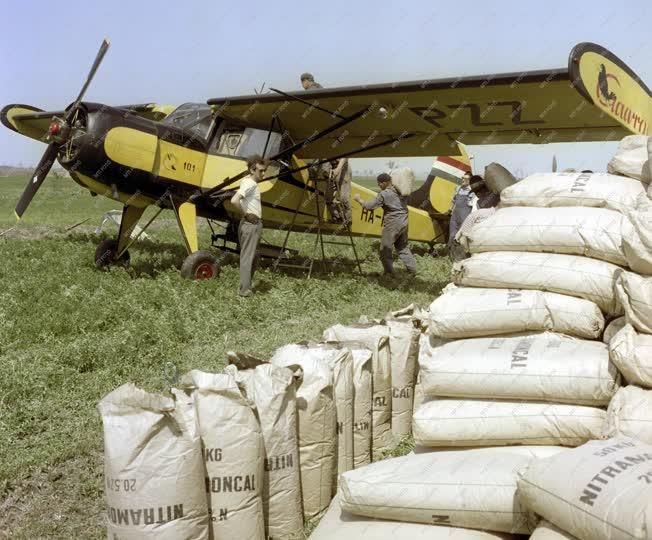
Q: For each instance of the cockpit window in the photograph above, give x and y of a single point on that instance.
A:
(193, 118)
(245, 141)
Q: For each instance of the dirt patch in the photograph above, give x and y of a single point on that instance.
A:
(66, 500)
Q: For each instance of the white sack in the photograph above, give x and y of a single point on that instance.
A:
(634, 293)
(592, 232)
(337, 524)
(476, 422)
(637, 243)
(153, 468)
(317, 422)
(403, 179)
(362, 405)
(404, 349)
(463, 488)
(631, 158)
(404, 335)
(342, 366)
(273, 391)
(576, 189)
(599, 491)
(232, 443)
(547, 531)
(544, 366)
(566, 274)
(376, 337)
(631, 353)
(470, 311)
(613, 328)
(630, 414)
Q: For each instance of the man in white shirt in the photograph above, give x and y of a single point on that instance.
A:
(247, 198)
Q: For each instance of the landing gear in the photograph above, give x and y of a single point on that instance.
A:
(200, 265)
(106, 254)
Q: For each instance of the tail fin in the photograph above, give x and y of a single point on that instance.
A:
(435, 195)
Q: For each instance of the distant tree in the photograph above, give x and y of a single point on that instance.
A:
(391, 164)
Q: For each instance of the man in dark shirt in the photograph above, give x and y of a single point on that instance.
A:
(395, 224)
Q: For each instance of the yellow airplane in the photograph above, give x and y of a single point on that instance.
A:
(189, 158)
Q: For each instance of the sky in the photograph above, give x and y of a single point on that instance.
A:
(174, 52)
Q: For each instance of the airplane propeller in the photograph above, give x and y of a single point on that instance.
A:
(58, 134)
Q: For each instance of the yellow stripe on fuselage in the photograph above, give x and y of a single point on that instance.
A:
(131, 147)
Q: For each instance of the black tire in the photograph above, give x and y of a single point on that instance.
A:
(200, 265)
(105, 254)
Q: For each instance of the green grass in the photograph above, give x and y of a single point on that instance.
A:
(70, 334)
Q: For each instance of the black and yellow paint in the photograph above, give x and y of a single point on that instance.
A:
(129, 154)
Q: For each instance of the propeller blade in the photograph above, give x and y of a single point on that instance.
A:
(554, 163)
(41, 171)
(98, 59)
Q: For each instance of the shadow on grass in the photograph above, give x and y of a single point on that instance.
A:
(329, 269)
(150, 258)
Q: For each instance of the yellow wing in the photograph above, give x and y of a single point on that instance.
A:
(425, 118)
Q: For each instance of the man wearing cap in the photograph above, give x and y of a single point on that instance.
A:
(308, 82)
(395, 224)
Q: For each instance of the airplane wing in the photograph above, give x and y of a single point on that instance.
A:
(425, 118)
(34, 122)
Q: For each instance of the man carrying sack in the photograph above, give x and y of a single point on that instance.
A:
(247, 198)
(395, 224)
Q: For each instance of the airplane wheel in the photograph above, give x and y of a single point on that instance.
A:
(200, 265)
(106, 252)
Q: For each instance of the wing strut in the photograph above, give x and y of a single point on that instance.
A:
(290, 150)
(305, 102)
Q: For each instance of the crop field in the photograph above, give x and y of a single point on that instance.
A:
(69, 334)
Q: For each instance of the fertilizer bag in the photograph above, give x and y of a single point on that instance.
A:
(339, 524)
(376, 338)
(461, 312)
(462, 488)
(599, 491)
(541, 366)
(576, 189)
(233, 454)
(153, 470)
(273, 391)
(630, 414)
(477, 422)
(631, 352)
(565, 274)
(317, 422)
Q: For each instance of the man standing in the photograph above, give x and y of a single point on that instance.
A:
(463, 200)
(247, 198)
(308, 82)
(339, 187)
(395, 224)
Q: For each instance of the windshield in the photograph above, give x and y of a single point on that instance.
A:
(244, 142)
(194, 118)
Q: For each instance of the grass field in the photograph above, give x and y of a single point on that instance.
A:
(70, 334)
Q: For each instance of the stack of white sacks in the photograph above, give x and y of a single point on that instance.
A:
(525, 427)
(254, 451)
